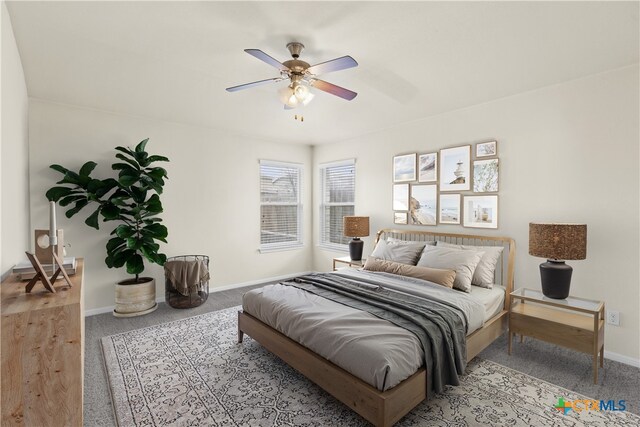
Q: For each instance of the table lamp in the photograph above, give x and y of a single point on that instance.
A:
(557, 242)
(355, 227)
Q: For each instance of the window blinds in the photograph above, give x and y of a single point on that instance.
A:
(280, 205)
(337, 200)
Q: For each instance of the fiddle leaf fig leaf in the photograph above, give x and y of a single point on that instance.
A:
(110, 212)
(135, 264)
(59, 168)
(87, 168)
(55, 193)
(142, 145)
(78, 206)
(123, 231)
(92, 220)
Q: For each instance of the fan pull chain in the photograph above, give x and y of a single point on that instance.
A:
(295, 117)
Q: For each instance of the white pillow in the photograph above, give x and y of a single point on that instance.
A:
(485, 274)
(463, 262)
(403, 252)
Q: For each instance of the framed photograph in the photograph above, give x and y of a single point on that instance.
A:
(428, 167)
(487, 149)
(401, 197)
(449, 209)
(423, 204)
(404, 168)
(399, 217)
(480, 211)
(455, 168)
(485, 176)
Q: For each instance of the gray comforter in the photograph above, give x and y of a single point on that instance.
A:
(438, 326)
(371, 348)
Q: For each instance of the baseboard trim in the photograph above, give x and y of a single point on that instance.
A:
(622, 358)
(109, 309)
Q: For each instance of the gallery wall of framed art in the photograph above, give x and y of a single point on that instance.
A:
(455, 185)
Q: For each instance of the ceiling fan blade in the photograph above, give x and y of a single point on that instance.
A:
(334, 89)
(266, 58)
(252, 84)
(337, 64)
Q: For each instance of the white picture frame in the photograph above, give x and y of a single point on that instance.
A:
(401, 197)
(480, 211)
(449, 209)
(423, 204)
(404, 168)
(486, 149)
(428, 167)
(455, 168)
(485, 176)
(400, 218)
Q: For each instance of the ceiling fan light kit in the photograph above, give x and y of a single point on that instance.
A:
(301, 76)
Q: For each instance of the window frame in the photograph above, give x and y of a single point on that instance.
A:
(299, 242)
(322, 168)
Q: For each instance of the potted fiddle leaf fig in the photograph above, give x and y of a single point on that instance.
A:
(132, 202)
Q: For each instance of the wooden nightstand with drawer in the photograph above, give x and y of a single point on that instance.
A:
(575, 323)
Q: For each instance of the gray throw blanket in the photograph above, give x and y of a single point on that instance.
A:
(439, 328)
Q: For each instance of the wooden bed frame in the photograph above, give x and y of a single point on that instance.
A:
(385, 408)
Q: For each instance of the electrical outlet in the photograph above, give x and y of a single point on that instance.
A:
(613, 317)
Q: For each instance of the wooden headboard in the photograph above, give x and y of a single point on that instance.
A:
(504, 274)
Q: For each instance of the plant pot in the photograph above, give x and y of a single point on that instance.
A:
(135, 298)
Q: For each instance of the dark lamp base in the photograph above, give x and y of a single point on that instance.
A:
(355, 249)
(556, 279)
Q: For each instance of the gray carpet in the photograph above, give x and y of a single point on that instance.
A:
(558, 366)
(191, 372)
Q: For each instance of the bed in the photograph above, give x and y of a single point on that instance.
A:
(382, 398)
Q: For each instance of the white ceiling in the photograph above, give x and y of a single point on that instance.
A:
(173, 60)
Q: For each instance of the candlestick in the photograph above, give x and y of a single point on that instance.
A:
(53, 234)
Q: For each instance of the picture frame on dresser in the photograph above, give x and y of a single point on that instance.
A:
(404, 168)
(480, 211)
(455, 168)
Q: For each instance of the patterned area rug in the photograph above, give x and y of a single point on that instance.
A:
(193, 373)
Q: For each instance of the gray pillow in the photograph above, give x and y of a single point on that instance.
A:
(400, 251)
(463, 262)
(485, 274)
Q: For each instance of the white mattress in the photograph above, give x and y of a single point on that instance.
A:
(491, 299)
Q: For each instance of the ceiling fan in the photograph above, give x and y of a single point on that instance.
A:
(301, 76)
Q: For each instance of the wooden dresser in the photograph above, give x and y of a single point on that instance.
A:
(43, 353)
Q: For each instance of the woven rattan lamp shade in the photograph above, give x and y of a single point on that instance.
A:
(558, 241)
(355, 226)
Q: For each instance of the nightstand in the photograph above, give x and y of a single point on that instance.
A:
(347, 260)
(575, 323)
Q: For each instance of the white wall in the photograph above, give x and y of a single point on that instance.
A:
(211, 200)
(14, 229)
(568, 153)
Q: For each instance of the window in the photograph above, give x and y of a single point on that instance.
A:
(337, 192)
(280, 206)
